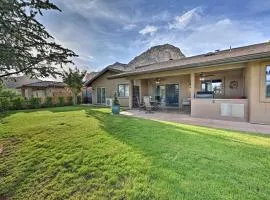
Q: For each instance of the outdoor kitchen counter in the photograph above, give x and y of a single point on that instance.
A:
(222, 109)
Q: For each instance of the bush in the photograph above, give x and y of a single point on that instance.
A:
(48, 102)
(70, 101)
(6, 97)
(34, 102)
(5, 104)
(115, 100)
(61, 101)
(11, 93)
(18, 103)
(79, 100)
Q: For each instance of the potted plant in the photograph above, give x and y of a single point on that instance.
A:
(115, 105)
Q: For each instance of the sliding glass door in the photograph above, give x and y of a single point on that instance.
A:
(101, 96)
(167, 95)
(172, 95)
(160, 95)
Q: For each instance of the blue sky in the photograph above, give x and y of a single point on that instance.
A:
(105, 31)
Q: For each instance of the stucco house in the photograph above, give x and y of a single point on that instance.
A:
(43, 89)
(87, 91)
(103, 88)
(18, 81)
(232, 84)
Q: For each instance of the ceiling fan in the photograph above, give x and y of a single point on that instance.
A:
(158, 80)
(203, 76)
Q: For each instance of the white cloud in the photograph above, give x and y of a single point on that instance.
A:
(106, 10)
(182, 21)
(148, 29)
(102, 29)
(161, 16)
(91, 57)
(129, 27)
(218, 34)
(224, 22)
(86, 58)
(257, 6)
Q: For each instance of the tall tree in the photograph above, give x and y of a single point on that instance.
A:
(74, 80)
(25, 46)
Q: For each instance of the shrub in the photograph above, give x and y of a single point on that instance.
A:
(5, 104)
(70, 101)
(79, 100)
(18, 103)
(34, 102)
(11, 93)
(115, 100)
(6, 97)
(61, 101)
(48, 102)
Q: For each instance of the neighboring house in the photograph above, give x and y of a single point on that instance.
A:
(43, 89)
(232, 84)
(87, 91)
(15, 82)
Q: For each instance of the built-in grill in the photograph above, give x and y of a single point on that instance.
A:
(204, 95)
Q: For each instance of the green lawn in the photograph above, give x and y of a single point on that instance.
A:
(86, 153)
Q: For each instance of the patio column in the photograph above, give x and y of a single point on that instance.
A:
(131, 83)
(192, 85)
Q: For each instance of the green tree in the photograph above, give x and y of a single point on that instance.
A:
(9, 93)
(25, 46)
(74, 80)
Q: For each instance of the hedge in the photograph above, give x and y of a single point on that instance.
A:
(19, 103)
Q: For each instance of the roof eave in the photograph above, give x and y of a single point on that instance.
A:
(88, 83)
(234, 60)
(50, 86)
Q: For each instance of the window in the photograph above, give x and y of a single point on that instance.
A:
(160, 93)
(123, 90)
(212, 86)
(206, 86)
(101, 95)
(172, 95)
(98, 95)
(217, 86)
(267, 81)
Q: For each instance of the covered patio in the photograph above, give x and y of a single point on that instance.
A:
(212, 123)
(217, 93)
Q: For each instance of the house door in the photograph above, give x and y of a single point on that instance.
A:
(136, 96)
(101, 95)
(87, 96)
(172, 95)
(160, 95)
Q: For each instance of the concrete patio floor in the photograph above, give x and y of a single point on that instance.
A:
(187, 119)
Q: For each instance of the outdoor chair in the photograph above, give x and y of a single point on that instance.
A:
(148, 106)
(186, 105)
(140, 104)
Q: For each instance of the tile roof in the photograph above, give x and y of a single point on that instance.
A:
(45, 84)
(240, 54)
(116, 67)
(15, 82)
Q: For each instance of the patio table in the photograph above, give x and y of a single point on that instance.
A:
(155, 104)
